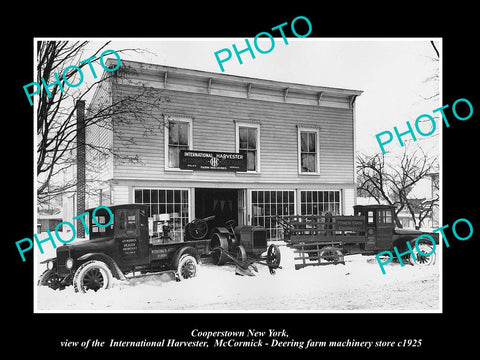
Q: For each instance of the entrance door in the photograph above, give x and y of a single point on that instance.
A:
(242, 207)
(223, 203)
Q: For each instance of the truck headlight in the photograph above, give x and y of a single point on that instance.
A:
(69, 263)
(50, 265)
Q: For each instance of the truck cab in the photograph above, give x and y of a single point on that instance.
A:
(381, 232)
(379, 225)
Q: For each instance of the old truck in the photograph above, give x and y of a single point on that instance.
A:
(326, 239)
(121, 248)
(128, 244)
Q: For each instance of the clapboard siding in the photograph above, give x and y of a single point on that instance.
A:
(214, 120)
(348, 201)
(99, 137)
(120, 194)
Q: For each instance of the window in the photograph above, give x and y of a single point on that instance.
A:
(315, 202)
(178, 136)
(167, 201)
(248, 140)
(370, 217)
(102, 217)
(385, 216)
(266, 204)
(125, 223)
(308, 159)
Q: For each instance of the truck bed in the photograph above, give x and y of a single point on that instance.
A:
(161, 249)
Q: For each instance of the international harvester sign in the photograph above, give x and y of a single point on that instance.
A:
(210, 160)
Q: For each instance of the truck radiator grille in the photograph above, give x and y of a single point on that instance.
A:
(259, 239)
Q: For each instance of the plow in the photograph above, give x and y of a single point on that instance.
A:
(245, 265)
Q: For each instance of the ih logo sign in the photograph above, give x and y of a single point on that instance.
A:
(214, 162)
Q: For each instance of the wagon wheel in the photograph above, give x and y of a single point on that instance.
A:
(273, 257)
(198, 229)
(329, 254)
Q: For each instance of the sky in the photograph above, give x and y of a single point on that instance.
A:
(391, 72)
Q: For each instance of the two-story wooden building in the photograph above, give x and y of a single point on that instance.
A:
(215, 144)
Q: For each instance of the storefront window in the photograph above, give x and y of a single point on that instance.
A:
(267, 204)
(317, 202)
(166, 201)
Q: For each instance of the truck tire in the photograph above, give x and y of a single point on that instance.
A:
(92, 275)
(420, 258)
(273, 256)
(187, 267)
(49, 278)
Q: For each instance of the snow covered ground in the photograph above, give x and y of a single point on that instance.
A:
(357, 286)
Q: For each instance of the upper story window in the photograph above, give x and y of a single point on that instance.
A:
(248, 140)
(308, 151)
(178, 136)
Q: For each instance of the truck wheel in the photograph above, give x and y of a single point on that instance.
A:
(49, 278)
(187, 267)
(421, 258)
(92, 275)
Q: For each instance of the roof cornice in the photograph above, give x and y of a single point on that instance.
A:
(174, 78)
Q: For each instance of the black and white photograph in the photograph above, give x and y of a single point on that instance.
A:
(247, 188)
(229, 183)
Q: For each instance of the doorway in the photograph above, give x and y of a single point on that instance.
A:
(223, 203)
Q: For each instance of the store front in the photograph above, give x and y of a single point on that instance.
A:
(244, 206)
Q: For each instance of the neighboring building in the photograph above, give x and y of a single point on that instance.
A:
(298, 143)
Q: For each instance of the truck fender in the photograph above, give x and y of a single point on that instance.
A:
(400, 243)
(221, 230)
(46, 261)
(116, 272)
(182, 251)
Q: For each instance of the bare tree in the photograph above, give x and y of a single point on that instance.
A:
(425, 207)
(392, 181)
(56, 114)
